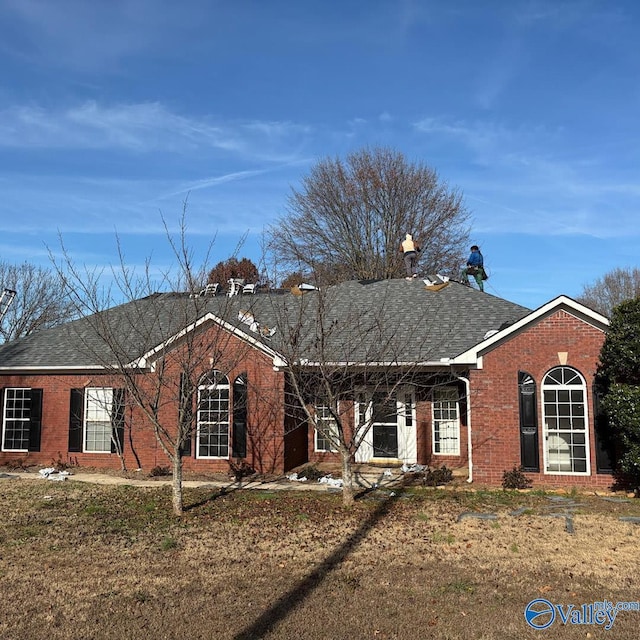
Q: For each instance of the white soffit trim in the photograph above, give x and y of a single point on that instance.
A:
(561, 303)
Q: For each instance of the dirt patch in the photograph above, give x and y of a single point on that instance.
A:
(88, 561)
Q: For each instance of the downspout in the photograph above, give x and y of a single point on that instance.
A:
(467, 386)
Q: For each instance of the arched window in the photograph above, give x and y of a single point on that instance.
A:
(565, 422)
(213, 416)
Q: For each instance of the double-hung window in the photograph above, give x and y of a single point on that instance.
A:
(21, 419)
(96, 420)
(446, 421)
(98, 428)
(213, 416)
(326, 429)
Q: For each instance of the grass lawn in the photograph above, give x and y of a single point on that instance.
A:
(81, 561)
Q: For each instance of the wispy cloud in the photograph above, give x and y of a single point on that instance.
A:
(533, 182)
(143, 128)
(482, 136)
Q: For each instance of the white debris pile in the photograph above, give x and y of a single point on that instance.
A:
(414, 468)
(332, 482)
(294, 477)
(53, 474)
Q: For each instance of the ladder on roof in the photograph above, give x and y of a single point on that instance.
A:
(5, 301)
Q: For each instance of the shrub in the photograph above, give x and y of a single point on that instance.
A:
(159, 471)
(15, 464)
(310, 472)
(240, 469)
(437, 477)
(515, 479)
(60, 464)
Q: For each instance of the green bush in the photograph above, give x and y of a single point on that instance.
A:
(619, 375)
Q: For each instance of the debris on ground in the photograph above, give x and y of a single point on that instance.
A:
(294, 477)
(331, 481)
(49, 473)
(414, 468)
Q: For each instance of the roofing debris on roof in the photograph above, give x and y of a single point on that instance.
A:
(247, 317)
(368, 320)
(301, 288)
(436, 282)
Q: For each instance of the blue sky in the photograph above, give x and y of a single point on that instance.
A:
(112, 112)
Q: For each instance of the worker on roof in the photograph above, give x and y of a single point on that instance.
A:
(410, 251)
(475, 268)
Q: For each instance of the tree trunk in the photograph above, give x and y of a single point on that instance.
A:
(177, 485)
(347, 478)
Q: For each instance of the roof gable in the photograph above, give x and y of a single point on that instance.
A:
(561, 303)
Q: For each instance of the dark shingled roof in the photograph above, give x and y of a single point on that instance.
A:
(363, 321)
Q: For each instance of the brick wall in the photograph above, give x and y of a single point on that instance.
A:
(141, 449)
(495, 400)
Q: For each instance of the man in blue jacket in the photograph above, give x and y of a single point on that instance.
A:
(475, 267)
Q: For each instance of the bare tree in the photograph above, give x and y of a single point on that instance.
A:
(613, 288)
(40, 300)
(348, 368)
(348, 218)
(157, 346)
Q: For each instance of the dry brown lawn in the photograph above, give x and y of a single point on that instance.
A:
(80, 561)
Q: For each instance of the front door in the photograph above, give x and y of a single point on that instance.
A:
(387, 424)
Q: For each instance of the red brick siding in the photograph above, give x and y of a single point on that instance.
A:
(424, 445)
(264, 420)
(495, 403)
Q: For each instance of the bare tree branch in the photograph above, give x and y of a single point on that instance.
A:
(613, 288)
(40, 302)
(347, 219)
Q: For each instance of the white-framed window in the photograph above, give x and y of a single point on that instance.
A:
(445, 408)
(98, 425)
(16, 418)
(564, 410)
(213, 416)
(326, 432)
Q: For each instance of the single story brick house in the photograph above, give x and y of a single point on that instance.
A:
(473, 381)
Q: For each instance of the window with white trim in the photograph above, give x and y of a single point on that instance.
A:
(565, 422)
(326, 432)
(98, 425)
(16, 419)
(213, 416)
(445, 409)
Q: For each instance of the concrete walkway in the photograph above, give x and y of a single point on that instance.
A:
(369, 479)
